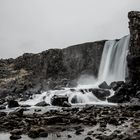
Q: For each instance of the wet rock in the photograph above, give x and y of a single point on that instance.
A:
(37, 110)
(2, 114)
(103, 124)
(58, 100)
(42, 104)
(18, 112)
(33, 133)
(113, 121)
(79, 130)
(90, 132)
(53, 120)
(15, 137)
(116, 85)
(24, 106)
(122, 94)
(2, 107)
(66, 104)
(74, 100)
(134, 101)
(58, 135)
(36, 132)
(43, 134)
(16, 132)
(69, 136)
(101, 94)
(88, 138)
(4, 92)
(134, 107)
(12, 104)
(104, 85)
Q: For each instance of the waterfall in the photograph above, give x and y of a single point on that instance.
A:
(112, 68)
(113, 63)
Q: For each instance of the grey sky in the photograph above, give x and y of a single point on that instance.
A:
(37, 25)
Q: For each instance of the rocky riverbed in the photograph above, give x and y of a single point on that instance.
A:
(87, 122)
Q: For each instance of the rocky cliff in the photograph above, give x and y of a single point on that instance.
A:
(134, 54)
(51, 68)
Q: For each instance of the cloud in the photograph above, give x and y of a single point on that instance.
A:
(34, 26)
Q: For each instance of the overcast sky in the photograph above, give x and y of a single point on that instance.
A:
(37, 25)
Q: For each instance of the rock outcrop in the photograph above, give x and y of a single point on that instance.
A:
(126, 92)
(134, 54)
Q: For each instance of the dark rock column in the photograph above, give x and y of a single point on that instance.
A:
(134, 54)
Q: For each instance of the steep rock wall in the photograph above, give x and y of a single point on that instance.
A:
(50, 68)
(134, 54)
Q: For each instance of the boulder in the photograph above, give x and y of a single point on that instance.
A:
(74, 100)
(33, 133)
(12, 104)
(18, 112)
(42, 104)
(69, 136)
(2, 107)
(16, 132)
(101, 94)
(58, 100)
(113, 121)
(124, 93)
(116, 85)
(15, 137)
(43, 134)
(37, 132)
(88, 138)
(66, 104)
(4, 92)
(104, 85)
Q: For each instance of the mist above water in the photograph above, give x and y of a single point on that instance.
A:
(86, 81)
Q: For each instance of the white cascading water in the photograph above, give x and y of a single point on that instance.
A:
(113, 64)
(112, 68)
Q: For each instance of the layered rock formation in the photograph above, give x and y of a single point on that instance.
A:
(134, 54)
(51, 68)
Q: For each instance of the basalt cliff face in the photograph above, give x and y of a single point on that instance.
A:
(134, 54)
(49, 69)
